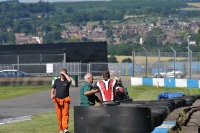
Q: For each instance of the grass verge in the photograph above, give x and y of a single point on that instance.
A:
(43, 123)
(151, 92)
(7, 92)
(47, 122)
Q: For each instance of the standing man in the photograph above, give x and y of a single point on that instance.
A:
(106, 87)
(62, 100)
(87, 93)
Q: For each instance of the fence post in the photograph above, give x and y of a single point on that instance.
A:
(40, 58)
(64, 58)
(159, 62)
(127, 71)
(190, 59)
(146, 52)
(89, 67)
(80, 74)
(133, 62)
(174, 61)
(188, 47)
(17, 63)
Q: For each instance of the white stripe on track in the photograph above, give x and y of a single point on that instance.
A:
(15, 119)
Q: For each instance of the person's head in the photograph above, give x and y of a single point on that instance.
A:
(106, 74)
(88, 78)
(118, 81)
(61, 75)
(64, 70)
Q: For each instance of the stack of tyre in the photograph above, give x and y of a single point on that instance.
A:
(161, 108)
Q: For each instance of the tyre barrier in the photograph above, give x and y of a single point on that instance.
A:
(134, 116)
(197, 96)
(161, 108)
(189, 100)
(171, 126)
(112, 119)
(158, 113)
(156, 121)
(170, 105)
(180, 103)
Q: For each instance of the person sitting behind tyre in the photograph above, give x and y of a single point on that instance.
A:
(121, 91)
(106, 87)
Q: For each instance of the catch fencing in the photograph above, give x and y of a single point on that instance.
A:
(148, 64)
(145, 64)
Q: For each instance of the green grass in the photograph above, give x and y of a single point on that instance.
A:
(150, 93)
(47, 122)
(7, 92)
(43, 123)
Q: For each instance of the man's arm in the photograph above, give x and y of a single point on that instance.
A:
(91, 92)
(66, 76)
(52, 93)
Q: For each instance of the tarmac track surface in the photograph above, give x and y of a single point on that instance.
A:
(33, 104)
(38, 103)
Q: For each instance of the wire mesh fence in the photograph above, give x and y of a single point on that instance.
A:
(145, 64)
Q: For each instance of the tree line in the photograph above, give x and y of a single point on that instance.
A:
(19, 17)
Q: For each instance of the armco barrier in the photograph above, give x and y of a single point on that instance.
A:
(74, 80)
(166, 82)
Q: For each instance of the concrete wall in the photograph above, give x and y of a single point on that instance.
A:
(166, 82)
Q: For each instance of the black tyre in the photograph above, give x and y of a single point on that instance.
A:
(156, 121)
(197, 96)
(178, 102)
(158, 110)
(165, 104)
(112, 119)
(132, 103)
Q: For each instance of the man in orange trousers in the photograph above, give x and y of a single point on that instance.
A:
(60, 95)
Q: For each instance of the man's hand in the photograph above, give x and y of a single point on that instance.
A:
(66, 76)
(52, 96)
(95, 91)
(63, 73)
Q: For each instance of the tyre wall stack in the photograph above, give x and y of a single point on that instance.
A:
(155, 116)
(167, 114)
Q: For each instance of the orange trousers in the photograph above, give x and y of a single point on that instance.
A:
(62, 112)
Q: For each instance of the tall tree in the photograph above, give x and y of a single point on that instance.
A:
(112, 59)
(127, 60)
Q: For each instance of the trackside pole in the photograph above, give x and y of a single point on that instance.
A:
(127, 71)
(157, 85)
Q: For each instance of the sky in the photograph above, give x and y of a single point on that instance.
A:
(27, 1)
